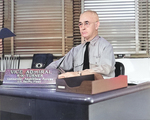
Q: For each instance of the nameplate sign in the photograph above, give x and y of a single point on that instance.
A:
(30, 76)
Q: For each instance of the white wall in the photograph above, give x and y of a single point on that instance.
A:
(137, 70)
(24, 64)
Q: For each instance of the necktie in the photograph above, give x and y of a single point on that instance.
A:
(86, 57)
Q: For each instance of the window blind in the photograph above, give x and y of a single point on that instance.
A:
(7, 24)
(68, 25)
(40, 27)
(1, 24)
(76, 15)
(118, 24)
(144, 25)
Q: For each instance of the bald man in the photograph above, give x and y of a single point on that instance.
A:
(101, 57)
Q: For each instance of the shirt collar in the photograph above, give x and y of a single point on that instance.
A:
(93, 41)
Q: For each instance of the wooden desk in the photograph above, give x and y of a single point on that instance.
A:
(47, 104)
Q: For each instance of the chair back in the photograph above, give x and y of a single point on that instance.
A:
(41, 61)
(120, 69)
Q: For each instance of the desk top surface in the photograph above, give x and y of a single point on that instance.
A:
(49, 93)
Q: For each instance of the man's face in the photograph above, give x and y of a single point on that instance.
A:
(88, 25)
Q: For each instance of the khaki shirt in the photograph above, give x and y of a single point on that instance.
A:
(101, 58)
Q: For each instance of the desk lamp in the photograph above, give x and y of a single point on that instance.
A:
(5, 33)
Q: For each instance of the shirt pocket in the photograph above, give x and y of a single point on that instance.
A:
(95, 60)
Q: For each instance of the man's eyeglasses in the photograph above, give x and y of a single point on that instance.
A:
(86, 23)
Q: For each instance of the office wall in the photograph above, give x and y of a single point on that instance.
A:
(137, 70)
